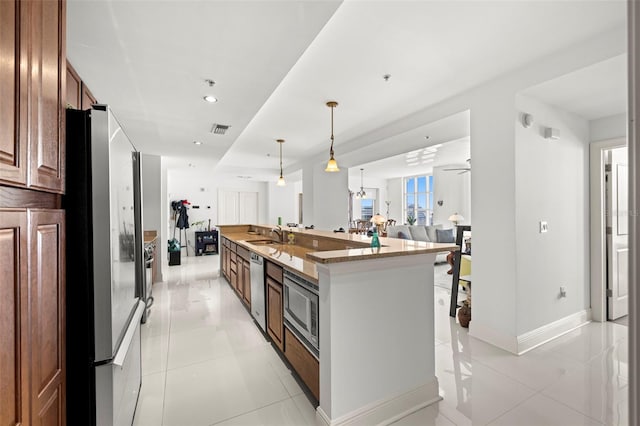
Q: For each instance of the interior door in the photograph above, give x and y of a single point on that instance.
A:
(228, 207)
(617, 215)
(248, 207)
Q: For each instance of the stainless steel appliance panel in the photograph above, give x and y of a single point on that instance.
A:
(114, 232)
(118, 382)
(257, 290)
(301, 310)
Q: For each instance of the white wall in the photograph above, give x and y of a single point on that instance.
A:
(394, 194)
(454, 190)
(201, 188)
(326, 197)
(612, 127)
(164, 220)
(282, 202)
(552, 181)
(151, 192)
(152, 202)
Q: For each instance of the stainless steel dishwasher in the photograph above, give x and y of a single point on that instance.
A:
(257, 290)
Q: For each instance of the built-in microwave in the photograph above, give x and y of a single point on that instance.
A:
(301, 310)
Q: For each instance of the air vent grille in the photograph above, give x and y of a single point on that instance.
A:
(219, 129)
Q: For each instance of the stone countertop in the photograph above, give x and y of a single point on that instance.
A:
(390, 247)
(289, 256)
(303, 260)
(150, 236)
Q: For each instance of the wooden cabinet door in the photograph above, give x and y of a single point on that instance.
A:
(14, 326)
(233, 275)
(46, 300)
(47, 94)
(275, 325)
(223, 261)
(74, 88)
(246, 281)
(87, 98)
(13, 87)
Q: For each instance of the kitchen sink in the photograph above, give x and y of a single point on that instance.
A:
(262, 242)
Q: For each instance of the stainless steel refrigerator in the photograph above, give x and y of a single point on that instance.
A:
(105, 270)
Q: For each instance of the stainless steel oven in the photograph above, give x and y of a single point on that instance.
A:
(301, 310)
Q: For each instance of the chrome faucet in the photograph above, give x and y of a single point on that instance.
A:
(279, 233)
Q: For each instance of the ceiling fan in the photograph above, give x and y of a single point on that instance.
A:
(464, 169)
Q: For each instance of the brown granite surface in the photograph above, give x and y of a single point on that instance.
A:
(323, 247)
(149, 236)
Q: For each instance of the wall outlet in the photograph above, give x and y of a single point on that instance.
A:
(544, 227)
(563, 291)
(315, 243)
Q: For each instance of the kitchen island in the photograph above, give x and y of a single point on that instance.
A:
(375, 318)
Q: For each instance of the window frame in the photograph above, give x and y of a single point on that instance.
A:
(428, 196)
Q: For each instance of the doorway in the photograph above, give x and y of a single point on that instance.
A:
(609, 230)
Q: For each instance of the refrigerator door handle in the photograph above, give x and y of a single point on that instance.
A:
(126, 340)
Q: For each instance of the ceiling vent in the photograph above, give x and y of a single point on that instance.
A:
(219, 129)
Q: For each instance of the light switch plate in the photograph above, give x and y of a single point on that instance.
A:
(543, 227)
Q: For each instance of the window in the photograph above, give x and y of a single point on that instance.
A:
(418, 199)
(366, 208)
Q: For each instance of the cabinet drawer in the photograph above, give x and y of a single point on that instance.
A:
(307, 367)
(233, 246)
(274, 271)
(243, 253)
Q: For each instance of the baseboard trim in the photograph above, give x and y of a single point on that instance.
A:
(547, 332)
(494, 337)
(387, 411)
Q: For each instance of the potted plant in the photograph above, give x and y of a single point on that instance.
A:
(411, 219)
(199, 224)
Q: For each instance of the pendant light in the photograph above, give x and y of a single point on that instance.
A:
(361, 193)
(332, 164)
(281, 178)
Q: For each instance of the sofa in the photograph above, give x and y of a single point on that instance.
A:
(429, 233)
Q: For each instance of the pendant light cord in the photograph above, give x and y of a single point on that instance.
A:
(331, 150)
(280, 143)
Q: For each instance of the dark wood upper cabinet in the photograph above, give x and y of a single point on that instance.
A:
(32, 82)
(87, 98)
(47, 92)
(13, 86)
(78, 95)
(74, 88)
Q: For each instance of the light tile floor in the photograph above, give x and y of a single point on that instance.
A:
(206, 363)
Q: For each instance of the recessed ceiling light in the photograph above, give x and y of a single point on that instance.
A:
(210, 98)
(426, 137)
(197, 142)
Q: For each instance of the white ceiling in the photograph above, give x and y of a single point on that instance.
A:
(592, 92)
(276, 64)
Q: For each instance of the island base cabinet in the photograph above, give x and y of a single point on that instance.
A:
(275, 325)
(307, 367)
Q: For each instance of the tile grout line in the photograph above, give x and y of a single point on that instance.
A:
(256, 409)
(164, 391)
